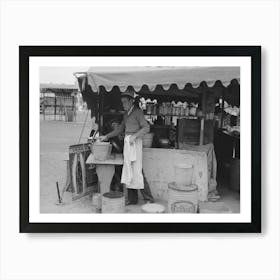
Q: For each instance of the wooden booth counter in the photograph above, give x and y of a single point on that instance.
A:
(158, 166)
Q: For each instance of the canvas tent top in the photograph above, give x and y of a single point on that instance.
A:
(137, 77)
(58, 86)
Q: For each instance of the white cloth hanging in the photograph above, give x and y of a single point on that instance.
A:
(132, 175)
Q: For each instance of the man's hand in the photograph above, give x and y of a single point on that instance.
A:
(102, 138)
(132, 139)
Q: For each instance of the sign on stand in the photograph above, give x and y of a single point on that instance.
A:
(83, 177)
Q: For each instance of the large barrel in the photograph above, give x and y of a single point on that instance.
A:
(113, 202)
(183, 174)
(182, 199)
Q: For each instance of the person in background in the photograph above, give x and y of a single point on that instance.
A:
(94, 126)
(135, 127)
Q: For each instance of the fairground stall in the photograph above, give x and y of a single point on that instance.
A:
(184, 106)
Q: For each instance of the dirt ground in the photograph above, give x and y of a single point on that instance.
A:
(55, 138)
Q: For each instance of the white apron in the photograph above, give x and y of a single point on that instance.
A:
(132, 175)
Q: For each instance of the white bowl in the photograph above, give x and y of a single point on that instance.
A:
(153, 208)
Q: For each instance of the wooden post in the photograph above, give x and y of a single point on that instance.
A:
(222, 109)
(201, 136)
(55, 107)
(203, 108)
(100, 110)
(73, 108)
(203, 103)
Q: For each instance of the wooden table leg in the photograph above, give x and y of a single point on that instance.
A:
(105, 173)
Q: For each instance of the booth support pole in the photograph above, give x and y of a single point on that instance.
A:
(203, 108)
(101, 104)
(222, 109)
(201, 136)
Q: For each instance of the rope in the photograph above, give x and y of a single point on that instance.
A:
(83, 127)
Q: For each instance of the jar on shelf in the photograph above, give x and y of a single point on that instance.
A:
(167, 120)
(165, 111)
(211, 116)
(173, 110)
(154, 109)
(177, 110)
(149, 108)
(160, 109)
(192, 111)
(199, 113)
(182, 111)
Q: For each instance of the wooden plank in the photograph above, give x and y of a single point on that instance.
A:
(80, 195)
(188, 131)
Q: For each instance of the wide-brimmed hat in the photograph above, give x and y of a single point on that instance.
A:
(129, 93)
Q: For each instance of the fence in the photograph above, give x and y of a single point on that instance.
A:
(58, 107)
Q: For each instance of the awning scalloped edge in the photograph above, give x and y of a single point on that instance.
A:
(151, 88)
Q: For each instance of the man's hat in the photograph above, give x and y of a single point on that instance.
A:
(129, 92)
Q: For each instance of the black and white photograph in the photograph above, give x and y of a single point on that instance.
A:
(140, 133)
(140, 140)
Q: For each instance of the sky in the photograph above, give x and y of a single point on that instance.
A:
(60, 75)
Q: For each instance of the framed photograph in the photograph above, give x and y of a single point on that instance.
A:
(140, 139)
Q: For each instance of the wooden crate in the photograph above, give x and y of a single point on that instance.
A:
(188, 131)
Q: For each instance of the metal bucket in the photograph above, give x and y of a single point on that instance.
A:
(182, 199)
(113, 202)
(101, 150)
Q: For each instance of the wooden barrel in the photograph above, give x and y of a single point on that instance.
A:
(183, 174)
(113, 202)
(183, 199)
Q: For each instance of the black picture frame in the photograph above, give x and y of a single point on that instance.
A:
(25, 52)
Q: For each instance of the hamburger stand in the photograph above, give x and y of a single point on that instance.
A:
(179, 103)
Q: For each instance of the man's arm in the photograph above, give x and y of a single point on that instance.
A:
(119, 129)
(145, 127)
